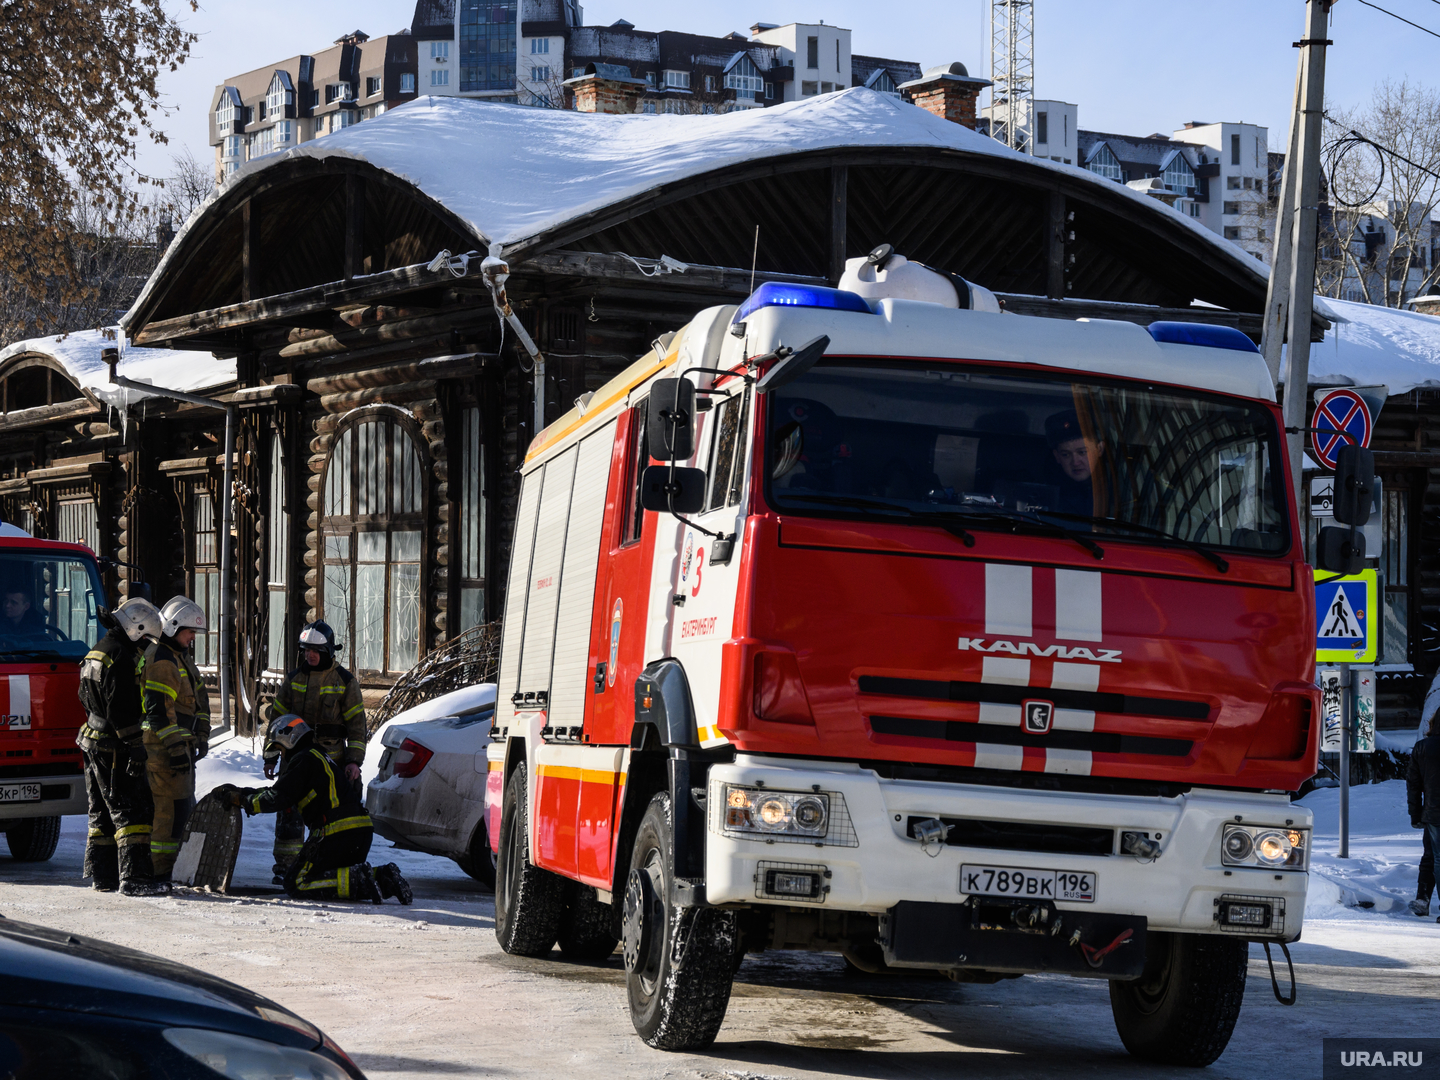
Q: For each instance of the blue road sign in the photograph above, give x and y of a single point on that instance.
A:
(1347, 619)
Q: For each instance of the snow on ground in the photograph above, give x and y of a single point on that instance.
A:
(1384, 855)
(425, 992)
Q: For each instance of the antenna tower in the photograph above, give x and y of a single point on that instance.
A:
(1012, 69)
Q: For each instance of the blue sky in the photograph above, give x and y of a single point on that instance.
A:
(1132, 66)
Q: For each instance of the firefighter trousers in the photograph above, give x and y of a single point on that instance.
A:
(289, 839)
(173, 792)
(121, 809)
(328, 861)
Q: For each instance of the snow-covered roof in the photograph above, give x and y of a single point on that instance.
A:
(1369, 345)
(511, 172)
(79, 354)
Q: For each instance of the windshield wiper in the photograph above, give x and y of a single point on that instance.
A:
(858, 502)
(1215, 557)
(949, 518)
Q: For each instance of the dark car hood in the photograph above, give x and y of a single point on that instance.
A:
(50, 969)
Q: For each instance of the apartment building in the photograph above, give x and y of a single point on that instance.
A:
(281, 105)
(1236, 161)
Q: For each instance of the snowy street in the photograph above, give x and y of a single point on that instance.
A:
(425, 992)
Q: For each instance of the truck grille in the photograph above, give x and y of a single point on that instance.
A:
(1101, 742)
(1023, 836)
(1006, 694)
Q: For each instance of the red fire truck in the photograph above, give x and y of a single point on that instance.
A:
(49, 592)
(878, 621)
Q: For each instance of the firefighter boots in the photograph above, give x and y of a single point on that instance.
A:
(362, 884)
(152, 887)
(393, 883)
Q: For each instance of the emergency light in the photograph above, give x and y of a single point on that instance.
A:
(1189, 333)
(777, 294)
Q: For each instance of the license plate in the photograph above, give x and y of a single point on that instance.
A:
(1021, 883)
(19, 793)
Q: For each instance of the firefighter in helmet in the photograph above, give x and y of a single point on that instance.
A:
(117, 852)
(176, 727)
(331, 864)
(327, 698)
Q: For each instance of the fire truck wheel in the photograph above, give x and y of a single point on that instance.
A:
(679, 962)
(529, 901)
(585, 931)
(32, 839)
(1183, 1008)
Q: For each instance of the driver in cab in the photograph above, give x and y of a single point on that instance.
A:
(1078, 458)
(18, 616)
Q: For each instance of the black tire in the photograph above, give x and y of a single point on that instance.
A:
(587, 930)
(479, 863)
(1182, 1010)
(529, 901)
(33, 839)
(674, 1006)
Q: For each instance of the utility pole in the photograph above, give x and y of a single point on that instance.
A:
(1304, 219)
(1277, 293)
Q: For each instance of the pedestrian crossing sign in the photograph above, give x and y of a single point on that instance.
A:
(1347, 618)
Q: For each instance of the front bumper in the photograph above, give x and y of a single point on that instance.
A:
(872, 865)
(59, 795)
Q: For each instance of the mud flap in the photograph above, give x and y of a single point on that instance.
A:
(210, 846)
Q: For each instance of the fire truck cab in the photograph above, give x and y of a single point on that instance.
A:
(878, 621)
(49, 596)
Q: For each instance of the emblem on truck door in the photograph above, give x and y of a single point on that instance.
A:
(614, 640)
(1035, 716)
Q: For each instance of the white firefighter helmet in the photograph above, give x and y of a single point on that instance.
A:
(139, 619)
(181, 613)
(287, 730)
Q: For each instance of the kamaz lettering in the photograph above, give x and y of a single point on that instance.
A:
(1029, 648)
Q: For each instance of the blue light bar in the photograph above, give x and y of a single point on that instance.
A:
(777, 294)
(1194, 333)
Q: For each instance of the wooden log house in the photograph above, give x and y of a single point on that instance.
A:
(385, 412)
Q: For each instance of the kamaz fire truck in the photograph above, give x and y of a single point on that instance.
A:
(878, 621)
(49, 592)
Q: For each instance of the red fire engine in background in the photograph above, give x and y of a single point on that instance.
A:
(880, 622)
(49, 592)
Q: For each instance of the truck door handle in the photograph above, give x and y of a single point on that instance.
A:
(600, 677)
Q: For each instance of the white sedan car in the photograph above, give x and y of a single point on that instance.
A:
(428, 789)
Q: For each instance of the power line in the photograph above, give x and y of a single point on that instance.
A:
(1402, 18)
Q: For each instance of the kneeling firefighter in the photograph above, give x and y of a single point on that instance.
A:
(176, 727)
(117, 852)
(327, 698)
(331, 865)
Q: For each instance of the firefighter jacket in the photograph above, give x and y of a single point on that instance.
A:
(110, 694)
(328, 699)
(1422, 781)
(308, 781)
(177, 706)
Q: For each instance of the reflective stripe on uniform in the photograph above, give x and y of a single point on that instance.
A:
(130, 831)
(305, 801)
(356, 744)
(353, 711)
(343, 884)
(332, 689)
(163, 847)
(255, 803)
(287, 847)
(302, 687)
(103, 657)
(360, 821)
(151, 684)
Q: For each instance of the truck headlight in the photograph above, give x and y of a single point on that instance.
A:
(754, 811)
(1265, 846)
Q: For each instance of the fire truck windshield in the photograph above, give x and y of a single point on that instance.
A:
(47, 605)
(903, 439)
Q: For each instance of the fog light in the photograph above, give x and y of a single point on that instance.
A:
(1272, 848)
(792, 883)
(1256, 915)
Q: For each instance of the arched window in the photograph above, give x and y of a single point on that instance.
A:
(373, 530)
(278, 557)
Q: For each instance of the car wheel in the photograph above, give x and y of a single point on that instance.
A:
(679, 962)
(33, 839)
(529, 901)
(480, 862)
